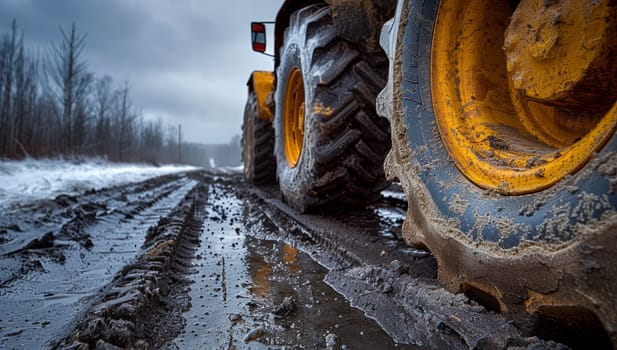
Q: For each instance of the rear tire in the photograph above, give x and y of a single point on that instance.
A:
(345, 142)
(257, 146)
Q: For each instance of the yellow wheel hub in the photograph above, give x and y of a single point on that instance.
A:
(524, 96)
(293, 117)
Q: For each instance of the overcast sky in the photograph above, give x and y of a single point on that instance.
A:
(187, 61)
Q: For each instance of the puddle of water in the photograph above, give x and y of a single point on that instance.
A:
(239, 280)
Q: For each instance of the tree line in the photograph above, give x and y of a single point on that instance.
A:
(52, 105)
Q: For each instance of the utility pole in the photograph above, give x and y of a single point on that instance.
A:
(179, 143)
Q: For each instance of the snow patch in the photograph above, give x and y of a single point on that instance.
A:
(29, 180)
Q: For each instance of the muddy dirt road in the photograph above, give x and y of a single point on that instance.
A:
(200, 261)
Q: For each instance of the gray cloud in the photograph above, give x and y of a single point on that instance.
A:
(187, 61)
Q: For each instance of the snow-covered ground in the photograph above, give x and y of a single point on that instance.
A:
(24, 181)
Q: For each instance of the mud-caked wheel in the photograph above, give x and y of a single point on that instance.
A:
(330, 143)
(503, 137)
(257, 145)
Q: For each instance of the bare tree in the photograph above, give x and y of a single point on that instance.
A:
(25, 138)
(125, 119)
(9, 47)
(20, 110)
(103, 100)
(72, 80)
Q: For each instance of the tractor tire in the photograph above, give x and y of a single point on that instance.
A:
(326, 90)
(548, 257)
(257, 146)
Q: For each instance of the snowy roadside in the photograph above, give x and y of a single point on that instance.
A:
(25, 181)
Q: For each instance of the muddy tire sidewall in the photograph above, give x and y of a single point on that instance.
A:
(294, 181)
(550, 216)
(248, 130)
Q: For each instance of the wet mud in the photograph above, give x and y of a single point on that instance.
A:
(250, 291)
(392, 283)
(201, 260)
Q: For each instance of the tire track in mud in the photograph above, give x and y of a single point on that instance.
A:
(85, 241)
(77, 215)
(81, 218)
(133, 311)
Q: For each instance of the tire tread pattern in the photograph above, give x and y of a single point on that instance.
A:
(348, 145)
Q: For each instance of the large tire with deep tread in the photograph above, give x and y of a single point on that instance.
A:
(551, 254)
(345, 142)
(257, 146)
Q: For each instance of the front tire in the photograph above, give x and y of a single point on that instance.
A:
(330, 143)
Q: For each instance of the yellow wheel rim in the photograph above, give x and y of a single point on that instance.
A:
(293, 117)
(523, 97)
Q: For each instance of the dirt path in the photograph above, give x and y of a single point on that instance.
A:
(201, 261)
